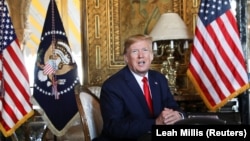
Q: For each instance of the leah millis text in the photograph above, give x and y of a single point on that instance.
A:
(181, 132)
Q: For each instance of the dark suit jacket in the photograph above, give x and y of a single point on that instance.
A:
(123, 106)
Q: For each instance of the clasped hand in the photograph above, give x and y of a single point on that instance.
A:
(168, 117)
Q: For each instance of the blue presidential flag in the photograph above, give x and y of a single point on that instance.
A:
(55, 75)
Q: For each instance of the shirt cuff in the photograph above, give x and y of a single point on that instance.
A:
(182, 115)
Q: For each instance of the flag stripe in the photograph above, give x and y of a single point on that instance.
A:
(200, 74)
(48, 68)
(209, 61)
(15, 94)
(217, 66)
(204, 73)
(8, 114)
(19, 77)
(19, 61)
(222, 61)
(229, 51)
(225, 51)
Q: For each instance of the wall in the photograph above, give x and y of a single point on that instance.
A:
(107, 23)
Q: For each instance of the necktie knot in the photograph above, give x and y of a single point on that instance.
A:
(144, 80)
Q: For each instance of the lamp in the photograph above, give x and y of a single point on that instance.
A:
(170, 27)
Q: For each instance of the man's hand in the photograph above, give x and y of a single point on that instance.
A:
(167, 117)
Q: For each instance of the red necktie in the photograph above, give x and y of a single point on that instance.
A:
(147, 94)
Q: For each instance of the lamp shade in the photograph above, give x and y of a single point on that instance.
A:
(170, 26)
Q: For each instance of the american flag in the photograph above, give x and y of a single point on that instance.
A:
(217, 66)
(15, 97)
(49, 67)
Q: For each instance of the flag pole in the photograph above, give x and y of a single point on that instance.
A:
(2, 48)
(54, 80)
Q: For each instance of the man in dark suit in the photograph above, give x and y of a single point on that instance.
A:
(125, 112)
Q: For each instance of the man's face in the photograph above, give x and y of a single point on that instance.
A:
(139, 57)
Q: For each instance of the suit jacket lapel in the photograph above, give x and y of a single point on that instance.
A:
(155, 92)
(136, 89)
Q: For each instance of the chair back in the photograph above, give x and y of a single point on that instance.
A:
(90, 113)
(96, 90)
